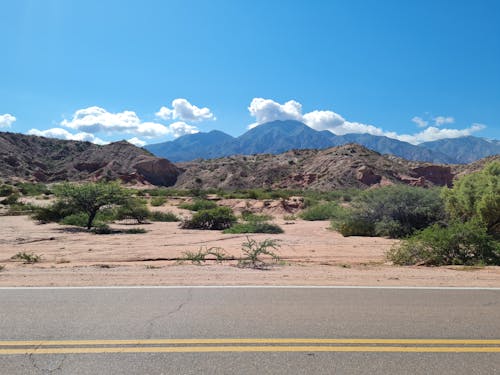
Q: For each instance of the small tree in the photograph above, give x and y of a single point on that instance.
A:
(477, 196)
(90, 197)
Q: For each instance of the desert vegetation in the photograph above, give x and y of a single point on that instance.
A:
(93, 205)
(393, 211)
(437, 226)
(217, 218)
(254, 223)
(470, 235)
(255, 254)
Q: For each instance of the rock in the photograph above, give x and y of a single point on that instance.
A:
(440, 175)
(367, 176)
(158, 171)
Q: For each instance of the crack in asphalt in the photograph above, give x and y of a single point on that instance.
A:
(45, 370)
(151, 322)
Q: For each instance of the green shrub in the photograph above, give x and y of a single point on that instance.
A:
(354, 227)
(323, 211)
(158, 201)
(194, 257)
(11, 199)
(80, 219)
(250, 216)
(33, 189)
(27, 258)
(133, 209)
(198, 205)
(253, 253)
(459, 243)
(53, 213)
(477, 197)
(254, 227)
(393, 211)
(77, 220)
(163, 216)
(21, 209)
(214, 219)
(6, 190)
(201, 255)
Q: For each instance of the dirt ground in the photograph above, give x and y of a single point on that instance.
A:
(311, 254)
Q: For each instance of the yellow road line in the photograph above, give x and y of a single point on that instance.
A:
(239, 349)
(251, 341)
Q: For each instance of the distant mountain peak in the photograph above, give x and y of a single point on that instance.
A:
(282, 135)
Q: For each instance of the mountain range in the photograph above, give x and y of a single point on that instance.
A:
(40, 159)
(280, 136)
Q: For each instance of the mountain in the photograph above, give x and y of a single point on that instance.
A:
(405, 150)
(465, 149)
(39, 159)
(347, 166)
(192, 146)
(279, 136)
(33, 158)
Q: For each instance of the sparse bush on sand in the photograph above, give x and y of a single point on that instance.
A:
(27, 258)
(163, 216)
(199, 205)
(213, 219)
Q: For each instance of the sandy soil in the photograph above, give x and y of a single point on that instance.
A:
(311, 255)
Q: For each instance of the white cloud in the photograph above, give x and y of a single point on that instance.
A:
(329, 120)
(437, 121)
(323, 120)
(136, 142)
(178, 129)
(183, 110)
(442, 120)
(265, 110)
(6, 120)
(96, 119)
(433, 133)
(151, 130)
(64, 134)
(421, 123)
(165, 113)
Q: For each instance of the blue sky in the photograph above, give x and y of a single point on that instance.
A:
(153, 70)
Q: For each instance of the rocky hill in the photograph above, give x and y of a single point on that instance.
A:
(40, 159)
(345, 166)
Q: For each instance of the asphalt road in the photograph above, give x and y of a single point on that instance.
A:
(249, 331)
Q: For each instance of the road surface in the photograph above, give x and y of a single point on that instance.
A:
(249, 330)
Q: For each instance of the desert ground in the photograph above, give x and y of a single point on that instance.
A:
(310, 252)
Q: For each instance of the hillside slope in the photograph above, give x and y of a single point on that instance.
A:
(33, 158)
(345, 166)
